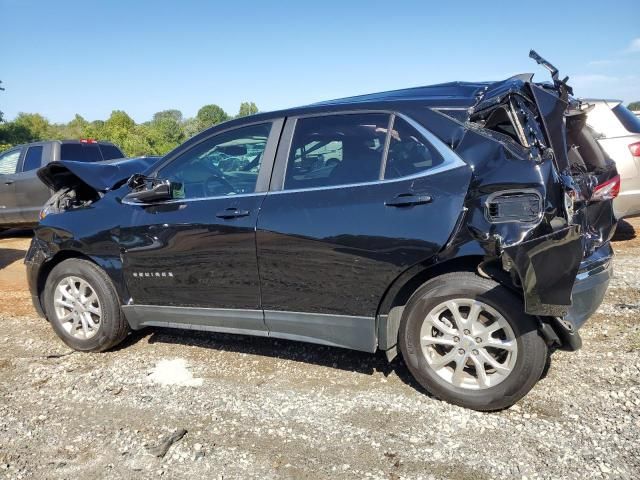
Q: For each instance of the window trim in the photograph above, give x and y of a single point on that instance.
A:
(451, 160)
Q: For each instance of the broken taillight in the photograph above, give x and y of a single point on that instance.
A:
(607, 190)
(634, 148)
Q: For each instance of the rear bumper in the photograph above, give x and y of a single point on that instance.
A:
(590, 287)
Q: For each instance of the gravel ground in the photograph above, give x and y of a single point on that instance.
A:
(263, 408)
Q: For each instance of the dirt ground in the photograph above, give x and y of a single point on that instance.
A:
(264, 408)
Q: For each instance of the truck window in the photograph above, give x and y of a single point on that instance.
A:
(9, 162)
(33, 159)
(109, 152)
(80, 152)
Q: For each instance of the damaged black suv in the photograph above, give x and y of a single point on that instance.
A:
(466, 224)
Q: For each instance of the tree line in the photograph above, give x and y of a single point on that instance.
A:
(166, 130)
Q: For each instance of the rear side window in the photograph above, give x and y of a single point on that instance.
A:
(33, 158)
(336, 150)
(627, 118)
(408, 152)
(109, 152)
(80, 152)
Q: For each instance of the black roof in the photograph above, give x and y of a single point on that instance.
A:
(443, 95)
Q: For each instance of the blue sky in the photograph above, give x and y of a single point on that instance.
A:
(64, 57)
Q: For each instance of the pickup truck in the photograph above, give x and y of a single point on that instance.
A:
(22, 194)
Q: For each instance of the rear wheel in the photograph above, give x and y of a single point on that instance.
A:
(467, 340)
(82, 306)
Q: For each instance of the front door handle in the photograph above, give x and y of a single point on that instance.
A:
(9, 182)
(232, 212)
(408, 199)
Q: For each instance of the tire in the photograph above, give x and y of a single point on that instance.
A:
(517, 364)
(103, 331)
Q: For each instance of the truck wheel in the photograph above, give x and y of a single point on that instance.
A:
(83, 307)
(467, 340)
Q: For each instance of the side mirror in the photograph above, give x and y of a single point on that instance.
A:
(154, 192)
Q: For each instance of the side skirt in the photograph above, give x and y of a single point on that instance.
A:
(355, 333)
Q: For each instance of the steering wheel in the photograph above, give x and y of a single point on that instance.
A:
(217, 180)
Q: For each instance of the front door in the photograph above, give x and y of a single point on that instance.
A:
(357, 204)
(192, 260)
(9, 212)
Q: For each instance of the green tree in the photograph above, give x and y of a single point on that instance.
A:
(38, 127)
(247, 108)
(634, 106)
(172, 114)
(210, 115)
(165, 131)
(190, 127)
(118, 127)
(76, 127)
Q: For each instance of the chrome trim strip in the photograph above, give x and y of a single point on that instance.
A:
(189, 200)
(602, 267)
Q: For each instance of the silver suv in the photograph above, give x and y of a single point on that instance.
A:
(619, 135)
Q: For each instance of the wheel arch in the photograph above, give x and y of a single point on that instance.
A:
(398, 293)
(106, 264)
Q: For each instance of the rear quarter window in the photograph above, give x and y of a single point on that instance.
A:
(80, 152)
(627, 118)
(110, 152)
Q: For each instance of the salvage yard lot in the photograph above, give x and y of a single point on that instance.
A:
(264, 408)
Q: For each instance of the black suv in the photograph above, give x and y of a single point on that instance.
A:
(22, 194)
(467, 224)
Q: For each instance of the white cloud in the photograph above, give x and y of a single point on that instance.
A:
(600, 63)
(634, 46)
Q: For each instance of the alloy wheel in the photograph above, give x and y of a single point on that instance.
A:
(77, 307)
(468, 343)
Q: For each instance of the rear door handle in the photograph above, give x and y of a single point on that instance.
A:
(232, 213)
(408, 199)
(9, 182)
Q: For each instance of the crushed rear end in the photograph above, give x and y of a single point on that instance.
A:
(540, 203)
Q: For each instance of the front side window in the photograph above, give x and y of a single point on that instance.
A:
(336, 150)
(33, 158)
(9, 162)
(408, 152)
(224, 165)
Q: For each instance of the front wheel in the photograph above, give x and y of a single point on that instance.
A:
(467, 340)
(82, 306)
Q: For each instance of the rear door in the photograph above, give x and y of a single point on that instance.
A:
(31, 193)
(355, 200)
(9, 213)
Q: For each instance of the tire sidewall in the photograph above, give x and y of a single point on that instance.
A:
(527, 369)
(87, 272)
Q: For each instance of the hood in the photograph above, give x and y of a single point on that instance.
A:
(101, 176)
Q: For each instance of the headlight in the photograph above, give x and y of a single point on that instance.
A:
(48, 210)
